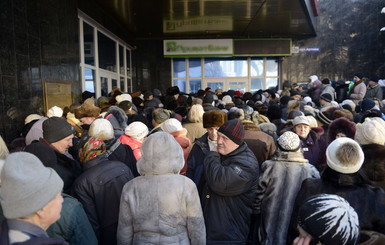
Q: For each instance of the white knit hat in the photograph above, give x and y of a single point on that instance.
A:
(171, 125)
(123, 97)
(55, 112)
(31, 118)
(307, 99)
(372, 131)
(227, 99)
(136, 130)
(344, 155)
(102, 129)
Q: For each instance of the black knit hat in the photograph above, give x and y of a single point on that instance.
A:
(56, 128)
(325, 81)
(326, 97)
(324, 117)
(360, 75)
(233, 129)
(375, 79)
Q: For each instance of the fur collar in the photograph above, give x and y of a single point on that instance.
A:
(290, 157)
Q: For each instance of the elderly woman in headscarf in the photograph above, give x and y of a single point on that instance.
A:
(160, 206)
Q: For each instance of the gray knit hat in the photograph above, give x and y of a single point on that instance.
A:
(26, 185)
(56, 128)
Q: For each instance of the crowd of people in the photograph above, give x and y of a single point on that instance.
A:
(300, 165)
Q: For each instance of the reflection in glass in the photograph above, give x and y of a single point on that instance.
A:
(256, 67)
(271, 68)
(256, 84)
(90, 80)
(237, 84)
(215, 86)
(107, 53)
(128, 61)
(179, 68)
(195, 69)
(88, 35)
(271, 82)
(122, 87)
(114, 83)
(121, 60)
(104, 86)
(238, 89)
(195, 85)
(215, 67)
(129, 86)
(181, 85)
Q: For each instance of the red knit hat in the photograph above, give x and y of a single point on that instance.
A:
(233, 129)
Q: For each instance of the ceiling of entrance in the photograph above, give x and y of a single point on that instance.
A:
(170, 19)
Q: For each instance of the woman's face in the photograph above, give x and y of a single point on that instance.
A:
(340, 134)
(302, 130)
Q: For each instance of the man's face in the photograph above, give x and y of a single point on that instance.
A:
(64, 144)
(87, 120)
(372, 83)
(213, 133)
(225, 145)
(322, 102)
(296, 97)
(302, 130)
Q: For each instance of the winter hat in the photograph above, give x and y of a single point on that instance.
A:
(324, 117)
(307, 99)
(326, 97)
(91, 149)
(208, 99)
(160, 115)
(123, 97)
(26, 185)
(238, 93)
(313, 78)
(87, 109)
(344, 155)
(312, 121)
(347, 126)
(289, 141)
(102, 129)
(274, 111)
(375, 79)
(343, 113)
(294, 113)
(248, 111)
(233, 129)
(55, 112)
(350, 103)
(156, 160)
(136, 130)
(372, 131)
(227, 99)
(171, 125)
(31, 118)
(367, 104)
(56, 128)
(214, 118)
(329, 219)
(360, 75)
(301, 120)
(325, 81)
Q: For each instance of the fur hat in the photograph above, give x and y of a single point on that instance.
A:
(160, 115)
(101, 129)
(329, 219)
(27, 185)
(372, 131)
(214, 118)
(234, 130)
(326, 97)
(55, 112)
(227, 99)
(289, 141)
(87, 109)
(56, 129)
(341, 124)
(344, 155)
(136, 130)
(343, 113)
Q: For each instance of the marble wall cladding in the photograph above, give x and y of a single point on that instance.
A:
(39, 41)
(349, 37)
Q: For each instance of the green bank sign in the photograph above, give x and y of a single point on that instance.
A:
(201, 47)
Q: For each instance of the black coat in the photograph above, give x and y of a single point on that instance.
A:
(368, 201)
(116, 151)
(228, 196)
(99, 189)
(67, 168)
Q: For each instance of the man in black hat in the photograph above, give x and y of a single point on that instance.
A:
(231, 171)
(325, 101)
(374, 91)
(327, 88)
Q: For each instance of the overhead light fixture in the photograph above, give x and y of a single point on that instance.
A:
(383, 10)
(383, 29)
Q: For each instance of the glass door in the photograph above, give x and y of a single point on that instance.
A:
(108, 81)
(226, 83)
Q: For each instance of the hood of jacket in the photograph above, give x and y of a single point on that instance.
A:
(119, 114)
(161, 154)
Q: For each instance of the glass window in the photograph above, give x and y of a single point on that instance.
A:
(90, 80)
(271, 82)
(128, 60)
(114, 83)
(107, 52)
(194, 68)
(104, 86)
(215, 86)
(122, 83)
(181, 85)
(271, 68)
(179, 68)
(256, 84)
(88, 35)
(121, 60)
(256, 67)
(195, 85)
(215, 67)
(129, 86)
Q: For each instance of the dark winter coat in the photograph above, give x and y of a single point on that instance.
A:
(314, 148)
(116, 151)
(229, 194)
(99, 189)
(118, 119)
(368, 201)
(374, 163)
(341, 93)
(278, 187)
(67, 168)
(195, 162)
